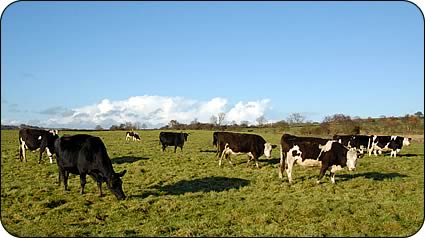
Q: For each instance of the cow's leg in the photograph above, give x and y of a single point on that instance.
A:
(322, 172)
(49, 154)
(282, 163)
(221, 157)
(175, 148)
(333, 177)
(65, 180)
(99, 186)
(23, 151)
(163, 148)
(289, 165)
(82, 182)
(41, 154)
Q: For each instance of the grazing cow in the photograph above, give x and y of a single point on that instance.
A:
(384, 143)
(133, 135)
(310, 151)
(34, 139)
(86, 155)
(175, 139)
(237, 143)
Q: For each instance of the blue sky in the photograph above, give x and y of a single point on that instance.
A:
(81, 64)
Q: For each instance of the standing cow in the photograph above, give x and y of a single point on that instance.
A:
(310, 151)
(175, 139)
(229, 143)
(133, 135)
(86, 155)
(393, 143)
(34, 139)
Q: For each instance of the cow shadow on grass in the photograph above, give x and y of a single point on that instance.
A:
(271, 161)
(409, 155)
(207, 184)
(376, 176)
(127, 159)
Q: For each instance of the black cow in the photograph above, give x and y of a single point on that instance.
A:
(310, 151)
(393, 143)
(175, 139)
(237, 143)
(86, 155)
(33, 139)
(133, 135)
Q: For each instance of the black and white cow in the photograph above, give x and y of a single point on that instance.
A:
(310, 151)
(392, 143)
(175, 139)
(133, 135)
(34, 139)
(358, 142)
(83, 155)
(255, 146)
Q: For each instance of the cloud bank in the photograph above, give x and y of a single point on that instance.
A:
(154, 111)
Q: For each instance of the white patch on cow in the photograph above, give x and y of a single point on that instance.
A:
(406, 141)
(335, 168)
(351, 159)
(39, 138)
(309, 163)
(393, 137)
(268, 150)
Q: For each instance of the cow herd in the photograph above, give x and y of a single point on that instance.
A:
(84, 155)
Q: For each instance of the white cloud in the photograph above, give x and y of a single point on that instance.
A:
(155, 111)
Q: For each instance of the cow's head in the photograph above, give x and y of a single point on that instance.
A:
(268, 147)
(185, 136)
(115, 185)
(352, 156)
(406, 141)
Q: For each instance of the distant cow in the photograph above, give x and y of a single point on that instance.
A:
(175, 139)
(393, 143)
(310, 151)
(86, 155)
(237, 143)
(133, 135)
(34, 139)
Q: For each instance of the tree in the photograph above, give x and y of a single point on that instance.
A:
(221, 117)
(173, 123)
(295, 118)
(261, 120)
(98, 128)
(419, 114)
(213, 120)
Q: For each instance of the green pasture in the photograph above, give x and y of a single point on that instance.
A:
(187, 194)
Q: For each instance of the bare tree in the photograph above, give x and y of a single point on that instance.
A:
(98, 128)
(295, 118)
(213, 120)
(261, 120)
(221, 117)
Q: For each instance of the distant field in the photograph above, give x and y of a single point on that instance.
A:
(187, 194)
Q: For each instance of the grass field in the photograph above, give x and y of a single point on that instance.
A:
(187, 194)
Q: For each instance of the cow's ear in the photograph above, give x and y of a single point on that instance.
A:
(122, 173)
(274, 146)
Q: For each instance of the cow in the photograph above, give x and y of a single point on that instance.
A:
(83, 155)
(133, 135)
(310, 151)
(175, 139)
(255, 146)
(393, 143)
(358, 142)
(34, 139)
